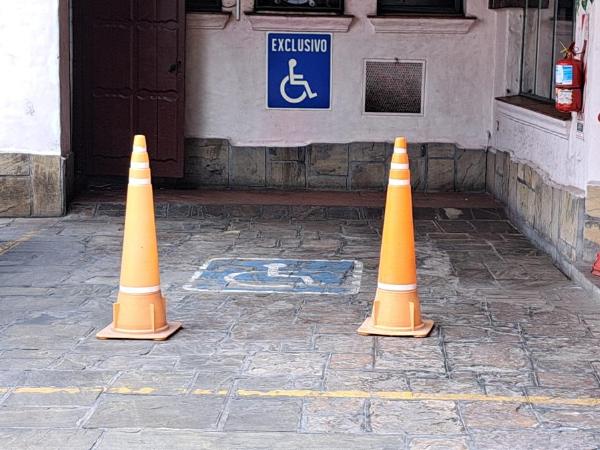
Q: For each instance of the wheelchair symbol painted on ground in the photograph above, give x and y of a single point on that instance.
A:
(295, 79)
(278, 276)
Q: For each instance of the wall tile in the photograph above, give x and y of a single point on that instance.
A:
(470, 170)
(247, 166)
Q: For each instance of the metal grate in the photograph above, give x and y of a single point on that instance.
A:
(203, 5)
(445, 7)
(321, 6)
(394, 87)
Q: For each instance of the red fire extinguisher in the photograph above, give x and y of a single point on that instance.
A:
(569, 81)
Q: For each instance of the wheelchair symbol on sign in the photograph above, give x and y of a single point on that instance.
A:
(273, 271)
(295, 80)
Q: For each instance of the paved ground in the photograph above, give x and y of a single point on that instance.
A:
(513, 362)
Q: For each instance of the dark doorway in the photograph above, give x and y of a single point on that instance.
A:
(128, 76)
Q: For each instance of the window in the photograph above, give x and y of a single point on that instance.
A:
(546, 28)
(321, 6)
(435, 7)
(203, 5)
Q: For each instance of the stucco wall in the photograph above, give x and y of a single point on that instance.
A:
(225, 85)
(543, 143)
(592, 105)
(29, 87)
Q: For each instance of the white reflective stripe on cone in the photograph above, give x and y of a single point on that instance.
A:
(139, 181)
(140, 165)
(395, 182)
(397, 287)
(399, 166)
(399, 150)
(138, 149)
(139, 290)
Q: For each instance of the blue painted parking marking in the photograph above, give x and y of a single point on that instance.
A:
(263, 275)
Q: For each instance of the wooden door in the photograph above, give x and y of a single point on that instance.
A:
(132, 65)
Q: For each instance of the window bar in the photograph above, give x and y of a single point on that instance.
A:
(522, 71)
(551, 93)
(537, 46)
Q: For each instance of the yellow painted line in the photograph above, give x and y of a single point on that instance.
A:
(408, 395)
(127, 390)
(306, 393)
(220, 392)
(54, 390)
(5, 247)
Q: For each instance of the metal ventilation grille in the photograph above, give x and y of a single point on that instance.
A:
(394, 87)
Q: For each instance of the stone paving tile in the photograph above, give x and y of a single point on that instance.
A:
(269, 383)
(437, 443)
(342, 380)
(426, 417)
(135, 411)
(28, 337)
(294, 364)
(535, 439)
(334, 415)
(35, 388)
(153, 383)
(486, 416)
(581, 418)
(351, 361)
(467, 384)
(40, 417)
(410, 355)
(486, 357)
(344, 343)
(48, 439)
(215, 363)
(246, 414)
(508, 324)
(245, 440)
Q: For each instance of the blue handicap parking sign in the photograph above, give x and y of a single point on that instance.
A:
(278, 275)
(299, 70)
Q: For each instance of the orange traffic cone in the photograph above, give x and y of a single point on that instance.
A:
(396, 309)
(140, 311)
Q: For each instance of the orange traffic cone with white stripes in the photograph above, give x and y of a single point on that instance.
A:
(140, 310)
(396, 309)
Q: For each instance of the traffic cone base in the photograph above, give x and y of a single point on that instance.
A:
(129, 322)
(396, 314)
(369, 328)
(111, 333)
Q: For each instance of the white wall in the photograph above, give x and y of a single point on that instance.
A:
(543, 143)
(29, 79)
(225, 85)
(560, 154)
(592, 105)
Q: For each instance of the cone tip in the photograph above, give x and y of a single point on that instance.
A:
(139, 140)
(400, 142)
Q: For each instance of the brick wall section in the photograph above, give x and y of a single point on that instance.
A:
(31, 185)
(347, 167)
(554, 214)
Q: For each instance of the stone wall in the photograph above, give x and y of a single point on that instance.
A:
(31, 185)
(591, 230)
(550, 215)
(356, 166)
